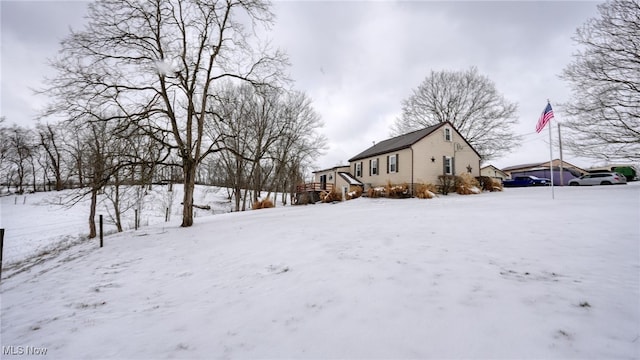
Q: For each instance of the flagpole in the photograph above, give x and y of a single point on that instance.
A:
(547, 115)
(551, 161)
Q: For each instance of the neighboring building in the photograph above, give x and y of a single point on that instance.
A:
(417, 157)
(493, 172)
(562, 171)
(337, 178)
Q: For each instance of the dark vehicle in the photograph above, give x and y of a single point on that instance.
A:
(602, 178)
(529, 180)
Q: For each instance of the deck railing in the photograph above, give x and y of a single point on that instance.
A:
(314, 186)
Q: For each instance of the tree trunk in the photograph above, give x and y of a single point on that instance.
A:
(284, 193)
(116, 205)
(237, 195)
(189, 171)
(33, 175)
(58, 174)
(244, 200)
(92, 213)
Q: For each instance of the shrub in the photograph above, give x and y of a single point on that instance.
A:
(425, 191)
(354, 194)
(375, 192)
(397, 191)
(446, 183)
(489, 184)
(467, 184)
(262, 204)
(497, 185)
(330, 196)
(486, 183)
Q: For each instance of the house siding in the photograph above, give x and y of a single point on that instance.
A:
(427, 171)
(333, 177)
(415, 165)
(402, 175)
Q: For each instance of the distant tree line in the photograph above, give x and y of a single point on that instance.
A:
(266, 141)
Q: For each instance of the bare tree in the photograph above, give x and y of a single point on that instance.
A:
(603, 114)
(471, 103)
(265, 132)
(5, 169)
(299, 144)
(234, 105)
(74, 152)
(51, 143)
(20, 154)
(156, 62)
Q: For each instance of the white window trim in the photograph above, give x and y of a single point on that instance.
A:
(393, 163)
(374, 166)
(359, 169)
(448, 163)
(447, 131)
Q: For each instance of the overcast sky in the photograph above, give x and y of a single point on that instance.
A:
(359, 60)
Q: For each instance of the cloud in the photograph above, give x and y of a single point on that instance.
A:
(358, 60)
(31, 33)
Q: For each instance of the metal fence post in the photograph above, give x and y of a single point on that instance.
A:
(101, 233)
(1, 249)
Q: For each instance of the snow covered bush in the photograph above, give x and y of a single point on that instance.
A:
(425, 191)
(262, 204)
(330, 196)
(354, 194)
(467, 184)
(497, 185)
(397, 191)
(375, 192)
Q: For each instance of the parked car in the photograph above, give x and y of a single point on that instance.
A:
(529, 180)
(601, 178)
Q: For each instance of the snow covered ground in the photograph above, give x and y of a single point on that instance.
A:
(497, 275)
(47, 222)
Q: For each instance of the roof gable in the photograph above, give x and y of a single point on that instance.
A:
(397, 143)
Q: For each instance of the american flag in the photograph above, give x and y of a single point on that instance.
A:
(546, 116)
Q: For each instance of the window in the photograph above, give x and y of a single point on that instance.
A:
(392, 161)
(374, 167)
(448, 165)
(359, 169)
(447, 134)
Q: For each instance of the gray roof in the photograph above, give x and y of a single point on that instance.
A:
(396, 143)
(522, 166)
(349, 178)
